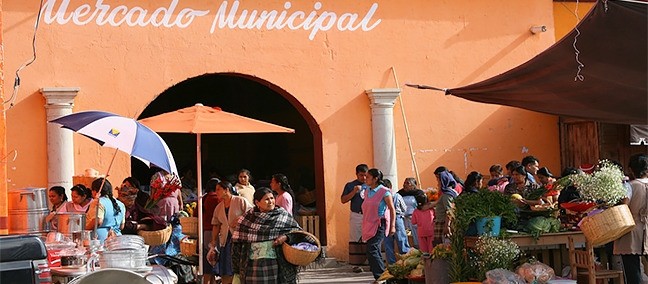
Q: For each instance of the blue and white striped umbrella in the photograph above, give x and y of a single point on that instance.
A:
(122, 133)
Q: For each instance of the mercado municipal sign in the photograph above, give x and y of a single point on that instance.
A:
(228, 16)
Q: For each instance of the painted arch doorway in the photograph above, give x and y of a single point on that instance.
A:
(298, 155)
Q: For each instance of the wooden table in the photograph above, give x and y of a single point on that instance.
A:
(527, 241)
(549, 248)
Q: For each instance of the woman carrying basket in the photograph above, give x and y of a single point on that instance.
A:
(257, 256)
(226, 215)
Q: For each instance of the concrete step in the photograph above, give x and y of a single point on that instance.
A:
(343, 274)
(327, 262)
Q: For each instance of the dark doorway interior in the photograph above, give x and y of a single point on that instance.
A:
(224, 154)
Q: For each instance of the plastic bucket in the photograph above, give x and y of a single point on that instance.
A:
(493, 229)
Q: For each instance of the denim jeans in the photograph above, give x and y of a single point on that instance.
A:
(401, 241)
(376, 262)
(413, 229)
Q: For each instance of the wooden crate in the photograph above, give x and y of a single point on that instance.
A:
(310, 224)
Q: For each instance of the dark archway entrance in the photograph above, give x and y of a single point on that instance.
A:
(298, 155)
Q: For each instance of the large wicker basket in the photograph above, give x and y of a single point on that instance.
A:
(608, 225)
(189, 226)
(156, 238)
(189, 247)
(301, 257)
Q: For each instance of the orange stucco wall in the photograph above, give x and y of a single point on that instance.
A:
(3, 141)
(442, 43)
(568, 14)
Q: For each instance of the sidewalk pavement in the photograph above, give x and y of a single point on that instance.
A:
(340, 274)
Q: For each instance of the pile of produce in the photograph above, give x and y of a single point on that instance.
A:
(540, 225)
(407, 265)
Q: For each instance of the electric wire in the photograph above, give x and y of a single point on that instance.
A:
(14, 95)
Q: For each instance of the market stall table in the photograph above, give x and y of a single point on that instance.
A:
(549, 248)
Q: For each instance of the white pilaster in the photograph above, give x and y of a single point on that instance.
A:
(382, 122)
(60, 146)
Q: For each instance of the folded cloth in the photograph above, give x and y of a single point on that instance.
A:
(305, 246)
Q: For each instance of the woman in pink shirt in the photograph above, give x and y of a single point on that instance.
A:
(423, 217)
(285, 194)
(378, 220)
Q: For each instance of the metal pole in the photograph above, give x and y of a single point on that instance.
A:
(96, 220)
(200, 216)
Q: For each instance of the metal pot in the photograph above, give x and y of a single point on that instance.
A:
(27, 199)
(28, 221)
(71, 222)
(73, 257)
(73, 260)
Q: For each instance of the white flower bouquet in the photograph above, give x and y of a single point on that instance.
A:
(495, 253)
(604, 186)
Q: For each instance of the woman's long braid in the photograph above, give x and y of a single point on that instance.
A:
(106, 190)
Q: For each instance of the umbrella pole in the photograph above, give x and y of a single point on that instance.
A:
(96, 220)
(200, 213)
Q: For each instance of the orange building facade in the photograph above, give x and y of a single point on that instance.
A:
(318, 58)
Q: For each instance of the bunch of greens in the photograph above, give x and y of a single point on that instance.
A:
(539, 225)
(535, 193)
(468, 208)
(471, 207)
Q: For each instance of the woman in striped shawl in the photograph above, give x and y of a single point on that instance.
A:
(256, 253)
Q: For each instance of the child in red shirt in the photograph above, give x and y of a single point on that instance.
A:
(423, 217)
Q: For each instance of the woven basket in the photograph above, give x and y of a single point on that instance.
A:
(189, 247)
(156, 238)
(189, 226)
(301, 257)
(608, 225)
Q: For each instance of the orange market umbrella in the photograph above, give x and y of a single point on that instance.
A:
(200, 119)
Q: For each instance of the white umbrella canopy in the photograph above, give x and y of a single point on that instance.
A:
(123, 134)
(200, 119)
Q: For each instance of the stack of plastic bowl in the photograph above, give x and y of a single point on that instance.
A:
(126, 251)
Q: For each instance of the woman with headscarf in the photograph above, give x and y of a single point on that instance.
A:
(378, 220)
(171, 204)
(136, 216)
(133, 185)
(224, 220)
(58, 199)
(108, 211)
(409, 192)
(447, 185)
(257, 256)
